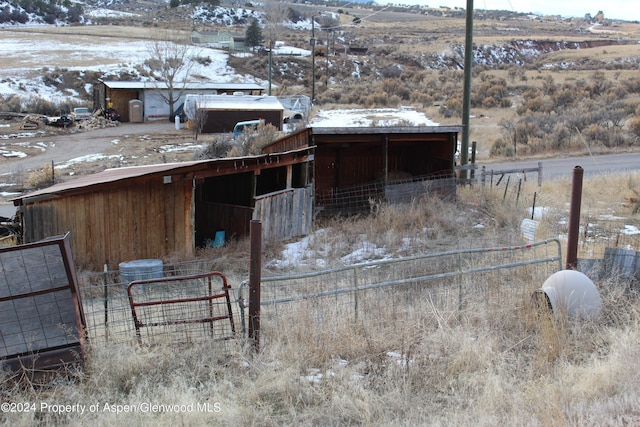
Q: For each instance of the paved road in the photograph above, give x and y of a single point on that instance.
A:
(562, 168)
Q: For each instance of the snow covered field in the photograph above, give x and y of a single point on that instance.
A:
(26, 55)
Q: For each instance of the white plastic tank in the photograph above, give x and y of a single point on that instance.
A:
(141, 269)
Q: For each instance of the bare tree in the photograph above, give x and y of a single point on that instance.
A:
(276, 13)
(170, 64)
(200, 116)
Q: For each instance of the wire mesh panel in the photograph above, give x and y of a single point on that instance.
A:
(388, 295)
(182, 308)
(108, 311)
(41, 317)
(359, 198)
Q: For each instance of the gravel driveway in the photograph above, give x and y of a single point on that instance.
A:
(42, 149)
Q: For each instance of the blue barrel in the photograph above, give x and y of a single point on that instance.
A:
(218, 240)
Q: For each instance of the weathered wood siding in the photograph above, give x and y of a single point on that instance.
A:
(293, 141)
(142, 219)
(285, 214)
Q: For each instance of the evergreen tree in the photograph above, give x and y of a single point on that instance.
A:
(253, 35)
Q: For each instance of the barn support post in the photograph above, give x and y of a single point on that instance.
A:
(385, 159)
(289, 183)
(255, 263)
(574, 219)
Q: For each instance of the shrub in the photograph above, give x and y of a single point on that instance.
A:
(563, 98)
(560, 137)
(595, 134)
(392, 71)
(202, 60)
(453, 107)
(395, 87)
(11, 103)
(533, 102)
(634, 126)
(490, 93)
(501, 149)
(214, 150)
(41, 178)
(42, 106)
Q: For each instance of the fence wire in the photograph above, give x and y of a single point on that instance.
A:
(389, 295)
(349, 200)
(386, 296)
(183, 315)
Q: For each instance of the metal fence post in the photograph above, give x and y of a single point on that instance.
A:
(106, 301)
(355, 294)
(255, 264)
(574, 219)
(460, 272)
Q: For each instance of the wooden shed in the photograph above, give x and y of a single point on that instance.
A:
(220, 113)
(118, 95)
(356, 165)
(156, 211)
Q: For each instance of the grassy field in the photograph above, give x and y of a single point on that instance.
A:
(493, 363)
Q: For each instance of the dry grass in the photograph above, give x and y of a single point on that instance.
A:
(42, 177)
(493, 363)
(127, 32)
(492, 367)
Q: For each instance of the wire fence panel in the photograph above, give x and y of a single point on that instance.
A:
(362, 197)
(182, 306)
(389, 294)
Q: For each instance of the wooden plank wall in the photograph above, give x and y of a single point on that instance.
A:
(145, 219)
(284, 214)
(233, 219)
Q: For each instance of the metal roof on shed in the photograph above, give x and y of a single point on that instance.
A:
(110, 175)
(185, 85)
(239, 102)
(120, 174)
(385, 130)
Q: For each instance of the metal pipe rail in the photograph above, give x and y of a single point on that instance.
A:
(460, 271)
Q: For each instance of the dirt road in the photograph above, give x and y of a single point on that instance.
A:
(41, 149)
(76, 152)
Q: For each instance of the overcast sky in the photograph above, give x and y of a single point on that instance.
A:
(614, 9)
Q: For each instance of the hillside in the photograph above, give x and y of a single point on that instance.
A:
(443, 340)
(536, 79)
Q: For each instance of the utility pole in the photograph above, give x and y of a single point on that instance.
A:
(466, 103)
(313, 60)
(270, 63)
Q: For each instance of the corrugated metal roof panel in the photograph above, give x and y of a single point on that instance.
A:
(187, 85)
(110, 175)
(119, 174)
(239, 102)
(384, 130)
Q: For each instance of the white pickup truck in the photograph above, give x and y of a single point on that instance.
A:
(81, 113)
